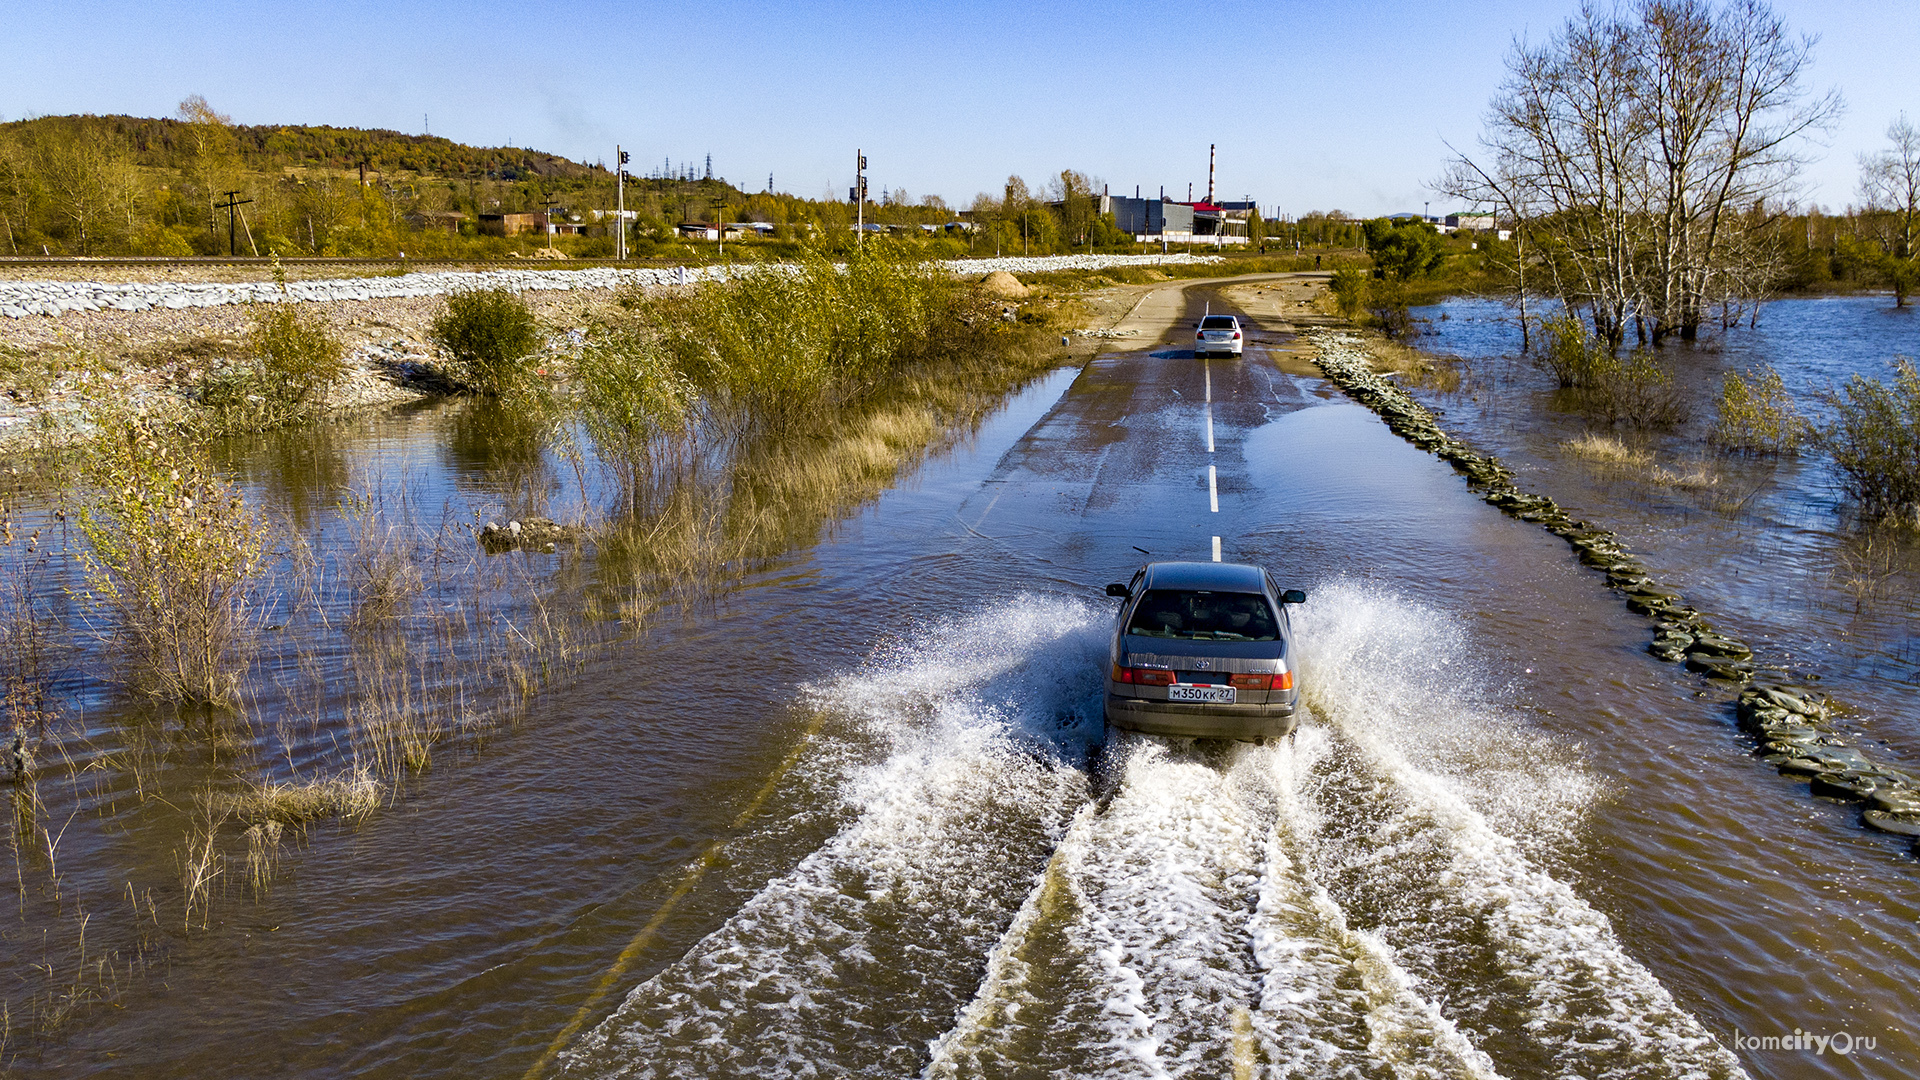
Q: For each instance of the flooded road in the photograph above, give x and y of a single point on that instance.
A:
(860, 817)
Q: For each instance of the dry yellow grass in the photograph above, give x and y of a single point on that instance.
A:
(1695, 478)
(1413, 366)
(298, 802)
(1605, 450)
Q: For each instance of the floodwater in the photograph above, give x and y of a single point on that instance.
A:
(1766, 545)
(858, 817)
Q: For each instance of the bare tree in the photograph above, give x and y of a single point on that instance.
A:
(1722, 91)
(1630, 145)
(79, 168)
(16, 190)
(1890, 186)
(211, 149)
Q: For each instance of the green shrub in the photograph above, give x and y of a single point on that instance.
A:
(291, 360)
(1387, 303)
(490, 337)
(1569, 351)
(1638, 391)
(1875, 442)
(1757, 415)
(1349, 291)
(174, 557)
(298, 356)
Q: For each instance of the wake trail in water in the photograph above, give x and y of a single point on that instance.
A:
(1370, 902)
(848, 964)
(1419, 809)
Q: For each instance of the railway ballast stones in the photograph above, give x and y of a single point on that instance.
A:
(1791, 725)
(23, 299)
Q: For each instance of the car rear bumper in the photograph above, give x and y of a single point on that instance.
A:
(1248, 723)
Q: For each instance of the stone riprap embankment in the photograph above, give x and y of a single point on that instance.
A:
(1792, 725)
(21, 299)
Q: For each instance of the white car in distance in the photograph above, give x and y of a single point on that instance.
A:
(1217, 334)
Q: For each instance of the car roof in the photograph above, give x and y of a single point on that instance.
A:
(1222, 577)
(1217, 319)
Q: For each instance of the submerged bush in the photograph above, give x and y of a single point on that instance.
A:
(1569, 351)
(1637, 391)
(1875, 442)
(489, 336)
(770, 348)
(698, 378)
(1757, 415)
(175, 560)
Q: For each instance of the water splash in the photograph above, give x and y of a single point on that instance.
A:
(851, 962)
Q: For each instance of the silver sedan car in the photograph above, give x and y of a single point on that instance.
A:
(1205, 651)
(1217, 334)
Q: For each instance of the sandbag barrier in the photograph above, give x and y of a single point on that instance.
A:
(1791, 725)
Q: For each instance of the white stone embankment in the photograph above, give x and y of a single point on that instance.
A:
(21, 299)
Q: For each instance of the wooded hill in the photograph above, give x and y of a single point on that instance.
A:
(164, 142)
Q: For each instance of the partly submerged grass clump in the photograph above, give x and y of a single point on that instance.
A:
(298, 802)
(1413, 366)
(1605, 450)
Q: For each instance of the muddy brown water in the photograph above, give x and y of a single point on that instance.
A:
(859, 816)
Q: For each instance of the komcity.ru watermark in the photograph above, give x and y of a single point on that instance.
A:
(1840, 1042)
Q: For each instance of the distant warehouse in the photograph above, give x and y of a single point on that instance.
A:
(1165, 220)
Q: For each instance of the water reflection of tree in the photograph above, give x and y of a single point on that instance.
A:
(301, 468)
(503, 443)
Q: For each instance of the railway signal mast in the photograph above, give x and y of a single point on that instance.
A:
(620, 202)
(858, 193)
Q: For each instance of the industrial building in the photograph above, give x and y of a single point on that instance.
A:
(1164, 220)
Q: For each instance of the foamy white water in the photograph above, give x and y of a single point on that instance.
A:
(1420, 804)
(1358, 904)
(848, 964)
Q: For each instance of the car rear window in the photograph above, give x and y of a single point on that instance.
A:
(1217, 322)
(1201, 615)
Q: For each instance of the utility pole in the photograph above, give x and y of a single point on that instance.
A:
(620, 201)
(549, 203)
(229, 206)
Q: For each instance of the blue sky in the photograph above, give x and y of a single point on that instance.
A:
(1314, 105)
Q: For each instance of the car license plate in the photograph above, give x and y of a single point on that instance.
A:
(1211, 695)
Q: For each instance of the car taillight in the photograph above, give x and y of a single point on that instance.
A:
(1142, 676)
(1250, 682)
(1236, 335)
(1199, 334)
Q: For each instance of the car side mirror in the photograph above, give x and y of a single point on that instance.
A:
(1118, 590)
(1293, 596)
